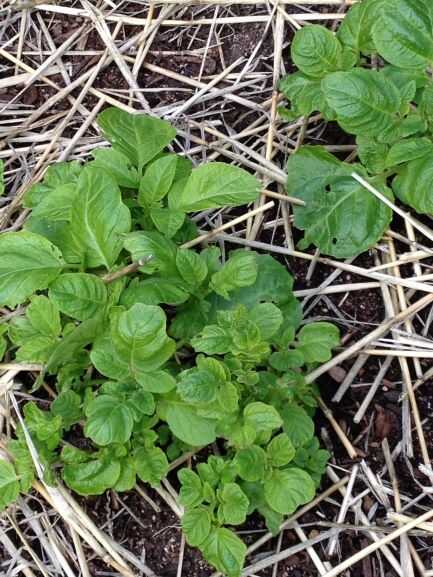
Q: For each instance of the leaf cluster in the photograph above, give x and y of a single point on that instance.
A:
(373, 77)
(187, 350)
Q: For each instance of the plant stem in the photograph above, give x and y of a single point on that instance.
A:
(128, 269)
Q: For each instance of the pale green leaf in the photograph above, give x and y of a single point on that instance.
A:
(412, 185)
(234, 504)
(151, 465)
(191, 490)
(28, 263)
(355, 31)
(225, 551)
(251, 462)
(167, 220)
(267, 317)
(157, 180)
(67, 406)
(118, 165)
(280, 450)
(213, 185)
(196, 525)
(286, 490)
(154, 291)
(9, 485)
(79, 295)
(187, 425)
(262, 417)
(316, 341)
(44, 316)
(91, 478)
(297, 424)
(191, 266)
(407, 150)
(239, 271)
(213, 340)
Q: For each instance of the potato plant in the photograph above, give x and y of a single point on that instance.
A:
(373, 77)
(154, 349)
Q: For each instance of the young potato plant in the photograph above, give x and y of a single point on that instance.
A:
(373, 77)
(154, 349)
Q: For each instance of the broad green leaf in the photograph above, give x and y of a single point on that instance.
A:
(157, 180)
(157, 382)
(196, 525)
(239, 271)
(304, 93)
(21, 330)
(141, 403)
(286, 490)
(213, 340)
(57, 175)
(316, 51)
(74, 342)
(187, 425)
(251, 462)
(9, 484)
(71, 455)
(37, 350)
(197, 386)
(372, 154)
(234, 504)
(153, 245)
(225, 551)
(191, 266)
(128, 476)
(28, 263)
(355, 31)
(191, 491)
(213, 185)
(108, 420)
(365, 101)
(138, 336)
(255, 493)
(23, 462)
(285, 360)
(104, 359)
(57, 204)
(403, 33)
(44, 316)
(262, 417)
(340, 217)
(297, 424)
(316, 341)
(91, 478)
(167, 220)
(151, 465)
(67, 406)
(407, 150)
(118, 165)
(154, 291)
(280, 450)
(43, 425)
(79, 295)
(98, 219)
(412, 185)
(312, 459)
(267, 317)
(138, 136)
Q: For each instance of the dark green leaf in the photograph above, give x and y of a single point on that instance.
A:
(316, 51)
(413, 184)
(67, 406)
(79, 295)
(191, 266)
(108, 420)
(191, 491)
(151, 465)
(91, 478)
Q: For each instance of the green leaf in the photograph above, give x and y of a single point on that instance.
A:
(197, 386)
(151, 465)
(262, 417)
(280, 450)
(213, 185)
(239, 271)
(305, 94)
(408, 150)
(192, 267)
(187, 425)
(267, 317)
(153, 245)
(285, 360)
(67, 406)
(91, 478)
(138, 136)
(403, 33)
(23, 462)
(297, 424)
(225, 551)
(355, 31)
(191, 491)
(56, 205)
(286, 490)
(38, 350)
(157, 382)
(372, 154)
(167, 220)
(413, 184)
(43, 425)
(154, 291)
(365, 101)
(79, 295)
(316, 341)
(99, 219)
(316, 51)
(340, 217)
(138, 334)
(234, 504)
(44, 316)
(117, 165)
(128, 476)
(251, 462)
(157, 180)
(9, 485)
(196, 525)
(28, 263)
(213, 340)
(108, 420)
